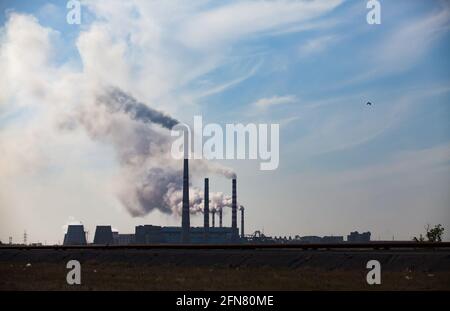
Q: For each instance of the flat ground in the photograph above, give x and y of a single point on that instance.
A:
(281, 269)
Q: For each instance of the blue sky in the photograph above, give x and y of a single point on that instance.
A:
(343, 165)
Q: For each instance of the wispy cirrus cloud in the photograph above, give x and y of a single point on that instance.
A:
(405, 46)
(228, 84)
(346, 122)
(317, 45)
(411, 41)
(236, 20)
(267, 102)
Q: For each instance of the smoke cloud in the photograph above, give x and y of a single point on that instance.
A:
(150, 179)
(119, 101)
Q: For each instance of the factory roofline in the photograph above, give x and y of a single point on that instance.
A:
(192, 229)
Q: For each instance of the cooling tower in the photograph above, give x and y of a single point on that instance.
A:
(75, 235)
(185, 223)
(103, 235)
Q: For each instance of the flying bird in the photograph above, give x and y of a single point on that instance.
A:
(369, 104)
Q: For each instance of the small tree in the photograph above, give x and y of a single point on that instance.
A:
(433, 234)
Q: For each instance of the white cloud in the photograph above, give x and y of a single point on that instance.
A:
(405, 46)
(236, 20)
(268, 102)
(40, 164)
(25, 51)
(169, 45)
(410, 42)
(413, 40)
(316, 45)
(222, 87)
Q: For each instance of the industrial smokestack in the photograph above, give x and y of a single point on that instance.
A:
(206, 209)
(242, 221)
(185, 223)
(213, 217)
(220, 218)
(235, 231)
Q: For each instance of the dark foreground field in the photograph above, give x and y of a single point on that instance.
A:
(281, 269)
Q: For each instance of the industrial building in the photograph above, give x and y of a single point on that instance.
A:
(355, 236)
(333, 239)
(124, 239)
(149, 234)
(310, 239)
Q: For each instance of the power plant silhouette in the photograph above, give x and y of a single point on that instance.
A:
(149, 234)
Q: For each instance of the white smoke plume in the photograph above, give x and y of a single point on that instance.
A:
(219, 200)
(150, 178)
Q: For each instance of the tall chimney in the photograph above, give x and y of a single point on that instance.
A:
(185, 223)
(213, 217)
(206, 209)
(242, 221)
(234, 211)
(220, 217)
